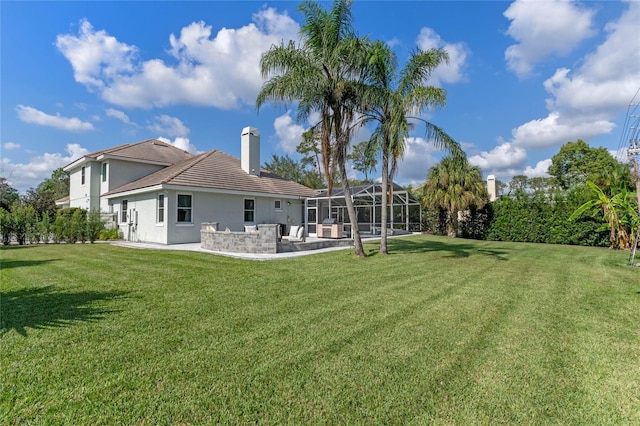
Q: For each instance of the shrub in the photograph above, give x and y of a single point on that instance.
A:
(45, 228)
(6, 226)
(94, 226)
(24, 218)
(111, 234)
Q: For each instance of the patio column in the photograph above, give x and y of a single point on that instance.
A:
(406, 203)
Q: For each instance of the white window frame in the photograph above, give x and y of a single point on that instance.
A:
(277, 205)
(104, 172)
(124, 205)
(245, 210)
(83, 175)
(161, 210)
(178, 208)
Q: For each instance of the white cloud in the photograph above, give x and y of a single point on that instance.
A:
(288, 132)
(445, 73)
(10, 145)
(96, 57)
(541, 169)
(585, 101)
(544, 28)
(419, 157)
(502, 158)
(171, 126)
(554, 130)
(182, 143)
(220, 71)
(24, 176)
(32, 115)
(118, 115)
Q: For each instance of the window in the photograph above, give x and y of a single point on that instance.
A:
(160, 218)
(277, 204)
(249, 209)
(184, 208)
(82, 175)
(123, 212)
(104, 172)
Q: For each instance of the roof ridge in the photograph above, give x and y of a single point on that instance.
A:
(107, 150)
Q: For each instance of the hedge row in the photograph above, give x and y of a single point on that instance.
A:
(22, 225)
(534, 218)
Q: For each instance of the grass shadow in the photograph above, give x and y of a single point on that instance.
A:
(46, 307)
(456, 248)
(8, 264)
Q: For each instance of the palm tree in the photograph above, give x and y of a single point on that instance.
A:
(322, 75)
(454, 186)
(393, 99)
(618, 213)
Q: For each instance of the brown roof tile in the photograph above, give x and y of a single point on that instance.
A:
(147, 150)
(217, 170)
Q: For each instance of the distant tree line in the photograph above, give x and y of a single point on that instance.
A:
(34, 217)
(588, 199)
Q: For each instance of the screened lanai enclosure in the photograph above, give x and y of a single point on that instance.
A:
(327, 217)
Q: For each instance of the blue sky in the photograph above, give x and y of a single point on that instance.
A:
(524, 77)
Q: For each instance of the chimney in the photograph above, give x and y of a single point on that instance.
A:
(250, 156)
(492, 187)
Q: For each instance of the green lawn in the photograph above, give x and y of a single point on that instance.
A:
(440, 332)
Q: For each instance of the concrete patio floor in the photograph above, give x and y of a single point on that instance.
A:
(250, 256)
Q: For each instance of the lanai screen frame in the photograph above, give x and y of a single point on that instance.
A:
(367, 200)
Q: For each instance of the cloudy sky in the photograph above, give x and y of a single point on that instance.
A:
(524, 77)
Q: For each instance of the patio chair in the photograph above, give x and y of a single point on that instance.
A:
(296, 233)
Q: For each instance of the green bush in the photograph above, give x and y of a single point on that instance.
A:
(94, 226)
(45, 228)
(6, 226)
(542, 218)
(111, 234)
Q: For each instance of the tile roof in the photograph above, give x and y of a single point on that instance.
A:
(147, 150)
(217, 170)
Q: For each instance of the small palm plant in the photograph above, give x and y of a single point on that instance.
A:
(618, 213)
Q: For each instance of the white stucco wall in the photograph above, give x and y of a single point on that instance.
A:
(144, 227)
(226, 209)
(87, 195)
(120, 173)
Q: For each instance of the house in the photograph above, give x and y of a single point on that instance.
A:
(158, 193)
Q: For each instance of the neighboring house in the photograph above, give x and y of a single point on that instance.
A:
(159, 193)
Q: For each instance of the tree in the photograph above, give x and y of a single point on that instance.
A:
(454, 185)
(57, 184)
(6, 226)
(43, 197)
(288, 168)
(323, 75)
(363, 156)
(285, 167)
(24, 217)
(577, 162)
(310, 151)
(43, 202)
(618, 213)
(393, 98)
(8, 194)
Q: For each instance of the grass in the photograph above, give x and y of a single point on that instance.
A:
(440, 332)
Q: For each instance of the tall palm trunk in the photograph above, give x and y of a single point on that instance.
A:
(342, 143)
(385, 198)
(353, 217)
